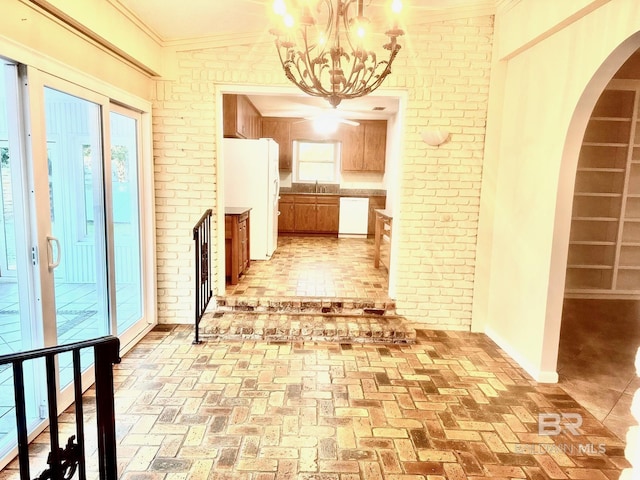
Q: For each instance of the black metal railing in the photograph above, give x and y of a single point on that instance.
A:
(202, 237)
(64, 462)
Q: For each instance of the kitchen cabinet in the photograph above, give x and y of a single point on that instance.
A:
(382, 242)
(304, 213)
(309, 214)
(375, 145)
(365, 149)
(352, 148)
(327, 214)
(604, 245)
(285, 214)
(378, 202)
(280, 130)
(240, 118)
(237, 238)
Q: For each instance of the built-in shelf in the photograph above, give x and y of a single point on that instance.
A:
(592, 266)
(611, 119)
(601, 170)
(596, 243)
(595, 219)
(604, 247)
(595, 194)
(606, 144)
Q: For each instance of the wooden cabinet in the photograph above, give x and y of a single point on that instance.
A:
(310, 214)
(378, 202)
(382, 242)
(280, 130)
(240, 118)
(375, 146)
(304, 214)
(327, 214)
(237, 236)
(352, 152)
(364, 148)
(604, 246)
(285, 216)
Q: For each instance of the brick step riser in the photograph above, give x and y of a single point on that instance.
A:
(315, 306)
(300, 327)
(301, 338)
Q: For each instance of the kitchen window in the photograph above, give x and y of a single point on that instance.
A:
(316, 161)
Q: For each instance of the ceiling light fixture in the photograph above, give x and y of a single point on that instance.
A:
(325, 49)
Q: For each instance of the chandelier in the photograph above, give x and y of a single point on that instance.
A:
(325, 48)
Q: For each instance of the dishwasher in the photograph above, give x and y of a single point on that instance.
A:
(354, 217)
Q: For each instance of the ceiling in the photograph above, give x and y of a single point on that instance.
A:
(184, 20)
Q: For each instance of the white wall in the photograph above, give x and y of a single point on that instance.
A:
(30, 36)
(547, 77)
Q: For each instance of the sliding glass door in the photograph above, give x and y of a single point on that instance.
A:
(19, 329)
(71, 229)
(76, 247)
(126, 222)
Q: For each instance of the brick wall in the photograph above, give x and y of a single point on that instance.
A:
(445, 69)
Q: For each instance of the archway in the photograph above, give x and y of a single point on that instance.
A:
(597, 341)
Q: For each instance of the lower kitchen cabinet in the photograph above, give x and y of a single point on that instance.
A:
(285, 214)
(304, 214)
(327, 214)
(236, 233)
(309, 214)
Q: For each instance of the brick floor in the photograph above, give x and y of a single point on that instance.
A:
(450, 406)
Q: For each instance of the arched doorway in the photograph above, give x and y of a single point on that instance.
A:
(600, 330)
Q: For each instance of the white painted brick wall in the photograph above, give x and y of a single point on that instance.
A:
(445, 69)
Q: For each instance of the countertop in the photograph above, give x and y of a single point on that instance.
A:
(235, 210)
(342, 192)
(384, 212)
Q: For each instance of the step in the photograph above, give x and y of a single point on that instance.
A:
(362, 328)
(309, 305)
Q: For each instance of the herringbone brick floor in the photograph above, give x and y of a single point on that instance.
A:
(451, 406)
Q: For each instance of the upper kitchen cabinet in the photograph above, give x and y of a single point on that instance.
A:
(352, 147)
(364, 148)
(375, 145)
(240, 118)
(280, 130)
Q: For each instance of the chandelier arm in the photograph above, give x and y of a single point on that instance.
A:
(315, 89)
(352, 82)
(345, 20)
(358, 78)
(380, 77)
(314, 69)
(311, 64)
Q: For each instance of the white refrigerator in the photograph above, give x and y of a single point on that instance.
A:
(252, 179)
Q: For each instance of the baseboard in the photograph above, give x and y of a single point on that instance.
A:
(352, 235)
(542, 376)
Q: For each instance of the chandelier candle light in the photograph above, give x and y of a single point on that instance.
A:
(323, 47)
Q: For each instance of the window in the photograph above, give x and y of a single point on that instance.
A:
(316, 161)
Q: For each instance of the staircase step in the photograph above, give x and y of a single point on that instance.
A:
(312, 305)
(355, 328)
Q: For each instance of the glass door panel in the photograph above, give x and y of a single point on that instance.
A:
(77, 247)
(18, 330)
(124, 128)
